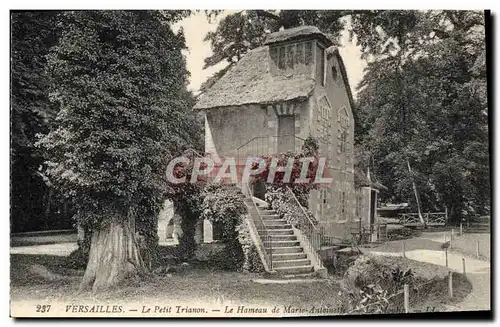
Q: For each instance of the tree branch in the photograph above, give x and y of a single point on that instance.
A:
(267, 14)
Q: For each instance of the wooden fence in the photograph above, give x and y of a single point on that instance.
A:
(430, 218)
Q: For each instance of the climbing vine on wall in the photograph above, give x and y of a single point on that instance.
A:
(278, 191)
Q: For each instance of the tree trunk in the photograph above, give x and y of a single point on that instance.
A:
(420, 217)
(114, 256)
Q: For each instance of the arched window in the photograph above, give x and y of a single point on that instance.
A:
(343, 118)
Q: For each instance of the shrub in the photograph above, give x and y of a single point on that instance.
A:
(231, 258)
(79, 258)
(223, 205)
(342, 263)
(401, 233)
(369, 286)
(286, 207)
(252, 261)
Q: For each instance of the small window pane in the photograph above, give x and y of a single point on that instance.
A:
(274, 55)
(281, 58)
(290, 54)
(308, 53)
(299, 54)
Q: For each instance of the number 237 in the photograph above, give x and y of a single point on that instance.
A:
(43, 308)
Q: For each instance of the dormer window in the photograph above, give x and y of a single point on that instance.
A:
(288, 56)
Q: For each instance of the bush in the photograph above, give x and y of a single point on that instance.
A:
(231, 258)
(369, 285)
(286, 207)
(254, 261)
(342, 263)
(402, 233)
(224, 206)
(79, 258)
(251, 258)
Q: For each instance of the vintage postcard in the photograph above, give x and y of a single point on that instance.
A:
(249, 163)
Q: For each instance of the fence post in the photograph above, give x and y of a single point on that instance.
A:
(446, 257)
(404, 250)
(452, 233)
(407, 298)
(451, 239)
(463, 265)
(450, 284)
(444, 237)
(461, 229)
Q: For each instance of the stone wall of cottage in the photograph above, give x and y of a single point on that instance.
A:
(230, 128)
(333, 125)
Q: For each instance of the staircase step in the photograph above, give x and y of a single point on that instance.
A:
(291, 263)
(278, 226)
(267, 212)
(284, 237)
(280, 244)
(285, 231)
(288, 249)
(274, 221)
(249, 202)
(271, 217)
(289, 256)
(294, 270)
(311, 274)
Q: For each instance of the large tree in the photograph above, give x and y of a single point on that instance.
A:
(119, 78)
(423, 102)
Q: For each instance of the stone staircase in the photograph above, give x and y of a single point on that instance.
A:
(288, 256)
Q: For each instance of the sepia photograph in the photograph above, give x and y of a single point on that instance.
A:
(250, 163)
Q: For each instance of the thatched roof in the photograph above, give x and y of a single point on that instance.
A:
(250, 82)
(295, 33)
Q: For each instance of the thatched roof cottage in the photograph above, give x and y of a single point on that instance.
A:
(293, 86)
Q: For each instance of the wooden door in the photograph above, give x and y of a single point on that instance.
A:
(286, 133)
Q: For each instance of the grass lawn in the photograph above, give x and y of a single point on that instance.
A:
(43, 238)
(467, 244)
(46, 277)
(202, 284)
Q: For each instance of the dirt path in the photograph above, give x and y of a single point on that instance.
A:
(61, 249)
(428, 249)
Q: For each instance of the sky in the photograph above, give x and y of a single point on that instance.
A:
(196, 27)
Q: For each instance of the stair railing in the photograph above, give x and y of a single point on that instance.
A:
(262, 232)
(265, 146)
(309, 229)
